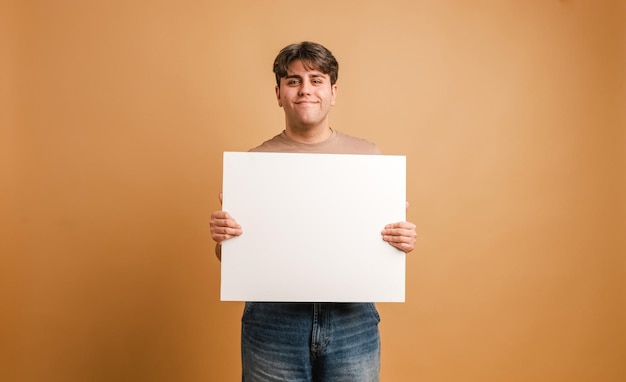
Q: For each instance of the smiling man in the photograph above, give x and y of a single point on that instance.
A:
(312, 342)
(306, 95)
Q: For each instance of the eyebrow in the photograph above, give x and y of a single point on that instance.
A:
(300, 77)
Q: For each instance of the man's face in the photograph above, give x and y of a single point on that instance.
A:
(306, 96)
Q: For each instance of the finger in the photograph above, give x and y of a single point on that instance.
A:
(222, 216)
(407, 225)
(399, 232)
(224, 222)
(224, 233)
(221, 197)
(229, 231)
(399, 239)
(221, 238)
(404, 247)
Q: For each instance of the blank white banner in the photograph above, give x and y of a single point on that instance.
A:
(311, 227)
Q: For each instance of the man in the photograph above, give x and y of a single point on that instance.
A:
(310, 341)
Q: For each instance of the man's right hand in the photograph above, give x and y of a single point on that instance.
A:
(223, 226)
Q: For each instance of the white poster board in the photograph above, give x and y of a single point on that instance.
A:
(312, 227)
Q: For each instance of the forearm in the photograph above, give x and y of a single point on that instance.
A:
(218, 251)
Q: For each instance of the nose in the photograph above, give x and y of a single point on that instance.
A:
(304, 88)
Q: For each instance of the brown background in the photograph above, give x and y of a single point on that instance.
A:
(114, 116)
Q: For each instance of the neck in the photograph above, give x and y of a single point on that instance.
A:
(309, 135)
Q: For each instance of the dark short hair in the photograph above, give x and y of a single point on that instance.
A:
(312, 55)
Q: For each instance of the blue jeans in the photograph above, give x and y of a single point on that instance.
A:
(310, 342)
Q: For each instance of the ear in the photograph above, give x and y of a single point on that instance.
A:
(333, 92)
(280, 104)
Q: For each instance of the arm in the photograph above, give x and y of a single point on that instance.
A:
(218, 251)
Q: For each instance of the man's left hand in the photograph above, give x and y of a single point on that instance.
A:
(401, 235)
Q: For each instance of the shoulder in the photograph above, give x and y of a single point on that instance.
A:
(354, 145)
(277, 143)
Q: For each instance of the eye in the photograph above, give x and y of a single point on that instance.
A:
(318, 81)
(293, 81)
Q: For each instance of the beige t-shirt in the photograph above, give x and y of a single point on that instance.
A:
(337, 143)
